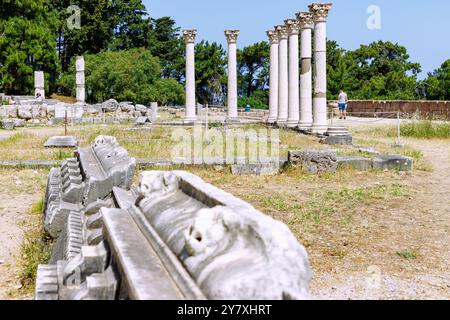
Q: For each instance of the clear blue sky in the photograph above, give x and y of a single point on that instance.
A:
(422, 26)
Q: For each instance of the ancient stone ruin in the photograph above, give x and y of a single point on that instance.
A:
(171, 237)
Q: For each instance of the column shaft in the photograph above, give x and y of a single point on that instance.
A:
(232, 76)
(320, 84)
(273, 80)
(306, 117)
(294, 112)
(319, 12)
(189, 36)
(80, 79)
(283, 80)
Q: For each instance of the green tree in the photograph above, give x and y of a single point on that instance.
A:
(437, 85)
(27, 44)
(253, 68)
(165, 42)
(383, 71)
(210, 72)
(131, 27)
(131, 75)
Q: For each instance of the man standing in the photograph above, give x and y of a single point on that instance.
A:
(343, 100)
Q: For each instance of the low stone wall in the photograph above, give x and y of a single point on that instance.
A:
(51, 112)
(425, 109)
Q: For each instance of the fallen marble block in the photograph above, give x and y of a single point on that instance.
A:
(61, 142)
(395, 162)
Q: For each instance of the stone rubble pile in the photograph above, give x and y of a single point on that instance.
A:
(49, 112)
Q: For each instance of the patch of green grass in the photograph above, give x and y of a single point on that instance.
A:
(407, 255)
(36, 249)
(426, 129)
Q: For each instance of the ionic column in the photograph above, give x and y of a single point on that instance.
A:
(283, 80)
(39, 83)
(273, 80)
(189, 38)
(320, 14)
(306, 118)
(80, 79)
(232, 36)
(293, 105)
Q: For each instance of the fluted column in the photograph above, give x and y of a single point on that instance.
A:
(232, 36)
(320, 14)
(283, 80)
(80, 79)
(293, 104)
(306, 118)
(273, 80)
(189, 38)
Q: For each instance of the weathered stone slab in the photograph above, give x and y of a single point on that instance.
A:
(354, 162)
(260, 169)
(61, 142)
(221, 238)
(142, 120)
(397, 162)
(313, 161)
(60, 110)
(7, 124)
(342, 140)
(110, 105)
(25, 112)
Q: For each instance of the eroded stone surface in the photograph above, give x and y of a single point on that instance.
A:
(314, 162)
(401, 163)
(61, 142)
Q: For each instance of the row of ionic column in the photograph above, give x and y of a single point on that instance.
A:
(291, 101)
(189, 38)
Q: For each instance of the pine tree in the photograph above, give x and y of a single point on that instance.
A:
(27, 44)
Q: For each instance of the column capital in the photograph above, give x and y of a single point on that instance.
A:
(273, 36)
(292, 25)
(305, 19)
(282, 31)
(189, 35)
(232, 35)
(320, 11)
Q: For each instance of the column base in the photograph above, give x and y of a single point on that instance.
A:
(271, 120)
(281, 123)
(189, 121)
(292, 123)
(305, 126)
(232, 120)
(319, 129)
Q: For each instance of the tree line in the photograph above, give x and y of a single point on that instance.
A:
(132, 56)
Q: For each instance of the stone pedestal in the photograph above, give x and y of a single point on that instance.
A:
(320, 14)
(39, 83)
(232, 36)
(293, 28)
(189, 38)
(80, 79)
(306, 20)
(273, 80)
(283, 80)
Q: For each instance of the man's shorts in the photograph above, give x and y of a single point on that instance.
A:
(342, 106)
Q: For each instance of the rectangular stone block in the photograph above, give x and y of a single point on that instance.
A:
(345, 140)
(354, 162)
(397, 162)
(261, 169)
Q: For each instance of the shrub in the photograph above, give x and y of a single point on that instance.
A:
(426, 129)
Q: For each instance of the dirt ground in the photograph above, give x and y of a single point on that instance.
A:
(397, 248)
(19, 191)
(419, 223)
